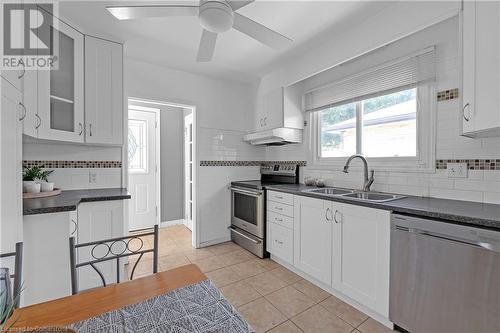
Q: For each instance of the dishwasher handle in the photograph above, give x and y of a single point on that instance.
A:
(483, 245)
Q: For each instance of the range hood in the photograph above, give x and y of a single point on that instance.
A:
(275, 137)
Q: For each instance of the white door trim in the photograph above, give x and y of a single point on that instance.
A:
(196, 229)
(138, 108)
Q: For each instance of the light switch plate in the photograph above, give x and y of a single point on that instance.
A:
(457, 170)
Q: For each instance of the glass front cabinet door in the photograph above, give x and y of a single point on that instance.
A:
(61, 90)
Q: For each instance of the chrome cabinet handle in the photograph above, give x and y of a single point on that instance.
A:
(278, 208)
(277, 219)
(265, 121)
(463, 111)
(75, 225)
(90, 129)
(261, 122)
(24, 111)
(335, 216)
(278, 197)
(279, 242)
(81, 129)
(20, 76)
(39, 121)
(326, 214)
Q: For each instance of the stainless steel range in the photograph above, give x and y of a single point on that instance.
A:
(248, 206)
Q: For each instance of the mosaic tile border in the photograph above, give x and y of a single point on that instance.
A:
(446, 95)
(493, 164)
(73, 164)
(248, 163)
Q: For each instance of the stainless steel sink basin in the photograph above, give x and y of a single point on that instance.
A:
(374, 197)
(330, 191)
(354, 195)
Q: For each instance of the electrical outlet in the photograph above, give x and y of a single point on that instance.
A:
(457, 170)
(93, 177)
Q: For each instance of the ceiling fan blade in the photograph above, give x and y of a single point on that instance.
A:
(137, 12)
(207, 46)
(259, 32)
(237, 4)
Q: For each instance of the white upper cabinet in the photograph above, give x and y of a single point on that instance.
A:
(10, 167)
(60, 90)
(361, 255)
(481, 68)
(279, 108)
(81, 99)
(313, 237)
(103, 91)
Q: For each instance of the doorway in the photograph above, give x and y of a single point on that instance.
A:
(175, 167)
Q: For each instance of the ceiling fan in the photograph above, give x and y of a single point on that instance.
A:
(216, 16)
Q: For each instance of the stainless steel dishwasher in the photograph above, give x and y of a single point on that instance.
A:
(444, 277)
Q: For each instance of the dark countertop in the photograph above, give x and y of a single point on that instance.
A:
(455, 211)
(69, 200)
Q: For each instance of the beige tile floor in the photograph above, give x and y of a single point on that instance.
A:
(269, 296)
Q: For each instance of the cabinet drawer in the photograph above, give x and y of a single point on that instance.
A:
(282, 220)
(280, 208)
(285, 198)
(281, 242)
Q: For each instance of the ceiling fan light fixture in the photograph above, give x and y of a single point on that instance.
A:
(216, 16)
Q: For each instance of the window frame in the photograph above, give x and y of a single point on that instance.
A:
(426, 138)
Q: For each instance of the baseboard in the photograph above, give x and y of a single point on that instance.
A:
(215, 241)
(170, 223)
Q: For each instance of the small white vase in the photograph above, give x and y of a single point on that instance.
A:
(47, 187)
(33, 188)
(26, 183)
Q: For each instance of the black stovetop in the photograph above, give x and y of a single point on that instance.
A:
(254, 184)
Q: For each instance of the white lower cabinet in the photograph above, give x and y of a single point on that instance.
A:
(361, 255)
(46, 249)
(341, 246)
(98, 221)
(46, 257)
(280, 242)
(313, 237)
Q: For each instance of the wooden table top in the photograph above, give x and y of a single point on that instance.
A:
(71, 309)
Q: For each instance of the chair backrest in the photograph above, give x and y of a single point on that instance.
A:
(125, 251)
(18, 271)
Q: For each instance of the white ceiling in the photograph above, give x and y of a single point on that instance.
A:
(173, 41)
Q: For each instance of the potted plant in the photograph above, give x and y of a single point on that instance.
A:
(7, 302)
(35, 179)
(30, 175)
(45, 185)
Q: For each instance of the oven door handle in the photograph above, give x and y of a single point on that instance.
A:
(239, 190)
(244, 236)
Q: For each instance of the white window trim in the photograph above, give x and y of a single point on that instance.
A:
(424, 162)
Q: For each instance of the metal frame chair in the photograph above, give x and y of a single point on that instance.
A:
(18, 271)
(110, 255)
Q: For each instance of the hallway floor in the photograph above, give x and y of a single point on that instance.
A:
(271, 297)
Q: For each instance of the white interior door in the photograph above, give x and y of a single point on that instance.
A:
(188, 172)
(143, 167)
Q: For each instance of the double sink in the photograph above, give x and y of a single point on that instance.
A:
(355, 195)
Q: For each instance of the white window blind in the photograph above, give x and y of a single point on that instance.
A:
(403, 72)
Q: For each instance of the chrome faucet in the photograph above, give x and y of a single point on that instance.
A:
(367, 181)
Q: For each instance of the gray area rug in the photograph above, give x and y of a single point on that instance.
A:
(196, 308)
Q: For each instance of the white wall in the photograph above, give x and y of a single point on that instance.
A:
(223, 113)
(481, 185)
(172, 163)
